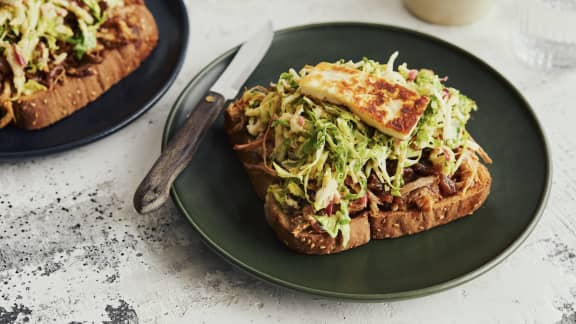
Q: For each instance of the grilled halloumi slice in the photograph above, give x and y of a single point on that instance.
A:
(388, 107)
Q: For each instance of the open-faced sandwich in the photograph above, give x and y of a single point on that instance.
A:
(346, 152)
(56, 56)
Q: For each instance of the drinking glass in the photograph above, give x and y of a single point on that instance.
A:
(545, 33)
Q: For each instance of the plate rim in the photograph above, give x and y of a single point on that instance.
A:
(371, 297)
(15, 155)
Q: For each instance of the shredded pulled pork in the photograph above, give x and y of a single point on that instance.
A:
(358, 205)
(427, 187)
(467, 174)
(423, 198)
(417, 184)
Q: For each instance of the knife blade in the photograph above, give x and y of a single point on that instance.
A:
(154, 189)
(244, 63)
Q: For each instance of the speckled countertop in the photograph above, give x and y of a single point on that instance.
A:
(72, 249)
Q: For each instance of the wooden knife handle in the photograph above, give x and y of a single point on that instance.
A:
(155, 188)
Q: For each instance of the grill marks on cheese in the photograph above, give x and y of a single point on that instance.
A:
(391, 108)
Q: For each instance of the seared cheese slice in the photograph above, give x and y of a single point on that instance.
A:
(388, 107)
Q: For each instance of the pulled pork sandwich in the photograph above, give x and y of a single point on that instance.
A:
(56, 56)
(346, 152)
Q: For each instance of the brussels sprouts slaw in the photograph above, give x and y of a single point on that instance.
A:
(324, 154)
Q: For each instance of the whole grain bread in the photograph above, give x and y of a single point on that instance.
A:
(44, 108)
(376, 225)
(392, 224)
(298, 234)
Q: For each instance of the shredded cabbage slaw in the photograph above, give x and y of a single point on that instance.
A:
(324, 153)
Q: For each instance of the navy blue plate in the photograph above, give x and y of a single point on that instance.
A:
(122, 104)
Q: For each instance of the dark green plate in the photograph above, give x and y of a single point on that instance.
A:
(215, 195)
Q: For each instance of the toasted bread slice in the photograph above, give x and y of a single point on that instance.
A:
(389, 224)
(381, 225)
(296, 235)
(307, 240)
(44, 108)
(303, 241)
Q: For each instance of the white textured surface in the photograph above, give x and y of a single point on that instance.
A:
(72, 250)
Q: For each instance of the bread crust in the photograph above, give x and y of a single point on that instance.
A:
(42, 109)
(365, 226)
(390, 224)
(309, 241)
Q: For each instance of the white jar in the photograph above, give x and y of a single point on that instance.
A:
(449, 12)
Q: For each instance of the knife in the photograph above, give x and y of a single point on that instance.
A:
(154, 190)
